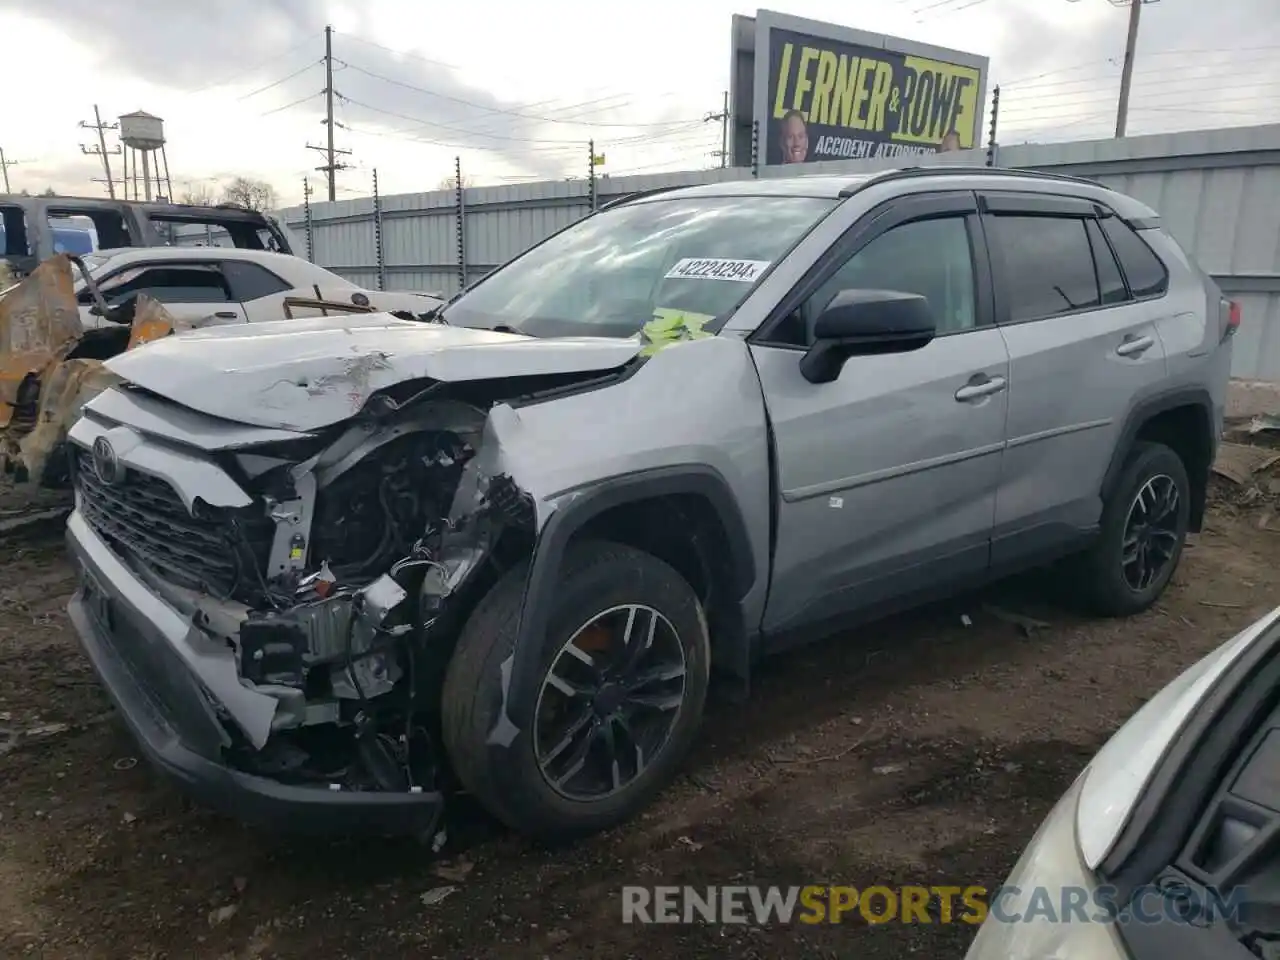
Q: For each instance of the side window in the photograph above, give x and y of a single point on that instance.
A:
(169, 284)
(931, 258)
(13, 232)
(1048, 265)
(1109, 279)
(249, 281)
(1147, 276)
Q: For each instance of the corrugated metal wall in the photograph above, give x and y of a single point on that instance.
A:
(1218, 190)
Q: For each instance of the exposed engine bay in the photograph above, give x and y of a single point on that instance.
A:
(340, 588)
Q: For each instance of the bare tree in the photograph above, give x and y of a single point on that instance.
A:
(254, 194)
(198, 195)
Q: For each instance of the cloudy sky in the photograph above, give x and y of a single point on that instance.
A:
(517, 89)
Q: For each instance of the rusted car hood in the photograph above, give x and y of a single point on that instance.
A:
(308, 374)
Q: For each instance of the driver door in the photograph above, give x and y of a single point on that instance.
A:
(190, 290)
(888, 474)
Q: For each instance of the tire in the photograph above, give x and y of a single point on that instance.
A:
(1109, 587)
(510, 781)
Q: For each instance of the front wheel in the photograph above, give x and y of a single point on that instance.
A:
(620, 689)
(1144, 526)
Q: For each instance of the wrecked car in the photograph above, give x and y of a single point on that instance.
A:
(215, 285)
(59, 324)
(32, 229)
(337, 569)
(50, 366)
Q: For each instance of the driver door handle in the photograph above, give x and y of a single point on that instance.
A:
(979, 386)
(227, 315)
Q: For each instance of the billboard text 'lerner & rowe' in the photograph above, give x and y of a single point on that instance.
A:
(832, 101)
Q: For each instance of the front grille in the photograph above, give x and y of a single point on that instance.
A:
(145, 518)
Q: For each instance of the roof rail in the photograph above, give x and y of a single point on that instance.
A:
(905, 173)
(637, 195)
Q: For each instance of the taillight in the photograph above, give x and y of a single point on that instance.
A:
(1230, 317)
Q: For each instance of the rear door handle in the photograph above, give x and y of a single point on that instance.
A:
(981, 386)
(227, 315)
(1134, 346)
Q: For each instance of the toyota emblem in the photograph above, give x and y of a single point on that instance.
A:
(105, 462)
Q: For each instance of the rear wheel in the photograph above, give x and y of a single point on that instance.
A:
(1144, 527)
(618, 694)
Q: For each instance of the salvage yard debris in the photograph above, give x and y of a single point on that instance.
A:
(50, 367)
(1241, 462)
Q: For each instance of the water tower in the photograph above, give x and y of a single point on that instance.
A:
(142, 137)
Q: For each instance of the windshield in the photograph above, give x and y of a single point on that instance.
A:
(610, 274)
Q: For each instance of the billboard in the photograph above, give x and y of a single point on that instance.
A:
(823, 92)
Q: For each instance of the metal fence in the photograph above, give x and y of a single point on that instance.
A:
(1218, 191)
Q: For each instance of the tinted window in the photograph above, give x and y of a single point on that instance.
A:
(1146, 274)
(1109, 278)
(927, 257)
(178, 284)
(611, 273)
(249, 281)
(1048, 266)
(13, 232)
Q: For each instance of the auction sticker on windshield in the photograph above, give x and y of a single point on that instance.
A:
(714, 268)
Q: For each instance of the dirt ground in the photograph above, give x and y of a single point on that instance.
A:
(921, 750)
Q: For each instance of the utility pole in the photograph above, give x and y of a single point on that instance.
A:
(723, 117)
(332, 166)
(1126, 77)
(101, 149)
(5, 165)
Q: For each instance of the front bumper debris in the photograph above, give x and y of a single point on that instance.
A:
(142, 652)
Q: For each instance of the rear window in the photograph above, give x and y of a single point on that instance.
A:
(1147, 276)
(1048, 265)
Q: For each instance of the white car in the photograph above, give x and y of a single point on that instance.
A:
(218, 285)
(1166, 845)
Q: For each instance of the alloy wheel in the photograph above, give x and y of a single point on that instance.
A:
(609, 702)
(1150, 533)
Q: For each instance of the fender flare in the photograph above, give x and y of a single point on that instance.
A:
(548, 552)
(1143, 412)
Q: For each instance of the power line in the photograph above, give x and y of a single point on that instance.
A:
(947, 12)
(570, 148)
(501, 110)
(1148, 73)
(276, 83)
(687, 124)
(257, 66)
(1088, 97)
(400, 53)
(292, 103)
(932, 6)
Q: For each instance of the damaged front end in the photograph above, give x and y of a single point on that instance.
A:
(311, 583)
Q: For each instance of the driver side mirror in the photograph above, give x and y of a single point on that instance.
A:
(863, 323)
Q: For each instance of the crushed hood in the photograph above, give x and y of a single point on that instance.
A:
(311, 373)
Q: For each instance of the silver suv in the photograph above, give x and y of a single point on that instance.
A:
(337, 569)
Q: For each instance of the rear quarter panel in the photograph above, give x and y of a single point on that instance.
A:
(1189, 325)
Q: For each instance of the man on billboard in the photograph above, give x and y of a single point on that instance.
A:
(950, 142)
(795, 137)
